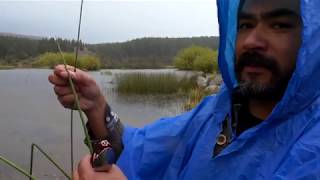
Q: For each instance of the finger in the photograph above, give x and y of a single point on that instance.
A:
(115, 168)
(75, 175)
(85, 163)
(60, 68)
(85, 167)
(83, 78)
(77, 76)
(61, 71)
(62, 90)
(115, 173)
(56, 80)
(67, 101)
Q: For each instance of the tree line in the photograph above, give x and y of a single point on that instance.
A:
(20, 50)
(147, 52)
(137, 53)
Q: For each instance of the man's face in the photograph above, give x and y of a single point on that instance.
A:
(268, 40)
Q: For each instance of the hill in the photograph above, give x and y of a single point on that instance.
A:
(137, 53)
(5, 34)
(147, 52)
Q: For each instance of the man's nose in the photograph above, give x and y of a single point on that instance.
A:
(256, 40)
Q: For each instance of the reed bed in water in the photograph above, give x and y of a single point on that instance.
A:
(194, 97)
(154, 83)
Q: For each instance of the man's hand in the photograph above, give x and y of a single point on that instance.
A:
(91, 100)
(86, 172)
(86, 87)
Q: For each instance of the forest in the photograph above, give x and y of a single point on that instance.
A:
(137, 53)
(148, 52)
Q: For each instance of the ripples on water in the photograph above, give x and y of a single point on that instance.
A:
(30, 112)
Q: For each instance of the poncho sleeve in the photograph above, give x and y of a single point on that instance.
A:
(148, 151)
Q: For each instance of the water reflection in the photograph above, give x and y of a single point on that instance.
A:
(139, 110)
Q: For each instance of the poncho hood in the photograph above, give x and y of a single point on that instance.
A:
(304, 85)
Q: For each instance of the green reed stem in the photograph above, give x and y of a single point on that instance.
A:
(49, 158)
(71, 141)
(76, 101)
(22, 171)
(75, 67)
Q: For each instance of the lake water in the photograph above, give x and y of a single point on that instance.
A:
(30, 113)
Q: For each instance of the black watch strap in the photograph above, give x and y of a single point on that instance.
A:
(115, 130)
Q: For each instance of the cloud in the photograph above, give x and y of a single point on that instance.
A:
(110, 21)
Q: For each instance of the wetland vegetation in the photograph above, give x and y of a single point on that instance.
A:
(154, 83)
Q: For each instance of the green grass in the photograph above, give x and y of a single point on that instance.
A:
(50, 59)
(108, 73)
(161, 84)
(4, 67)
(194, 97)
(153, 83)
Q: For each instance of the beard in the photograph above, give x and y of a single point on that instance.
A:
(252, 88)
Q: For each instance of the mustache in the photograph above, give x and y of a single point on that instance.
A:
(257, 60)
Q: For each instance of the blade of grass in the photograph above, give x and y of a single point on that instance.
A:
(76, 100)
(49, 158)
(11, 164)
(75, 67)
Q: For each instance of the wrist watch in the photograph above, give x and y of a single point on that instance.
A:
(103, 156)
(111, 118)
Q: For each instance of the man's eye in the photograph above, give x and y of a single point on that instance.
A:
(281, 25)
(243, 26)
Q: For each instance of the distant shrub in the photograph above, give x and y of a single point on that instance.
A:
(49, 60)
(196, 58)
(46, 60)
(185, 58)
(89, 62)
(206, 62)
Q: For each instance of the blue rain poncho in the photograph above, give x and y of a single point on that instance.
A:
(284, 146)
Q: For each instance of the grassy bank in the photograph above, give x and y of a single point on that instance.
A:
(194, 97)
(4, 67)
(49, 60)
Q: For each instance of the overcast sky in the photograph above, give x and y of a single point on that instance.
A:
(110, 21)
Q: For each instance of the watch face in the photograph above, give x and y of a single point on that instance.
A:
(103, 160)
(108, 119)
(114, 115)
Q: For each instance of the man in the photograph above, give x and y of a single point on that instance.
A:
(263, 124)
